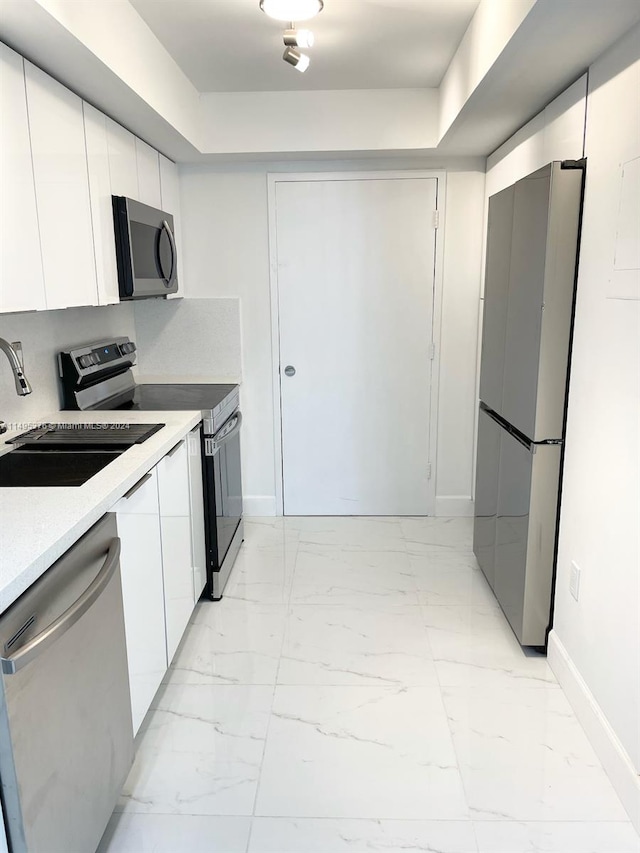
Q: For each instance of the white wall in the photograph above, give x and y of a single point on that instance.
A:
(118, 40)
(226, 252)
(43, 335)
(595, 645)
(342, 120)
(457, 400)
(601, 496)
(490, 30)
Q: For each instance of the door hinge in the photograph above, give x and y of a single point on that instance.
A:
(428, 470)
(436, 218)
(432, 351)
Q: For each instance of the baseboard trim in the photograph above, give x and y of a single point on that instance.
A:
(454, 506)
(604, 740)
(259, 505)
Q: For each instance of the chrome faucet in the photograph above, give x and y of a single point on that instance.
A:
(22, 384)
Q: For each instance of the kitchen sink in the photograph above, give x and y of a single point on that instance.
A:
(28, 467)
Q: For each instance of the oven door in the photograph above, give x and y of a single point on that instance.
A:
(227, 481)
(145, 250)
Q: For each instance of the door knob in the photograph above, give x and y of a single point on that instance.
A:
(289, 370)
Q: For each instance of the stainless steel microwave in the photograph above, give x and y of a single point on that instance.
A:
(145, 250)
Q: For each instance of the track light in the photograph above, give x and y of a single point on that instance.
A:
(300, 61)
(298, 38)
(291, 10)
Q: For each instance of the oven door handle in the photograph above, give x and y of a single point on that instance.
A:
(230, 429)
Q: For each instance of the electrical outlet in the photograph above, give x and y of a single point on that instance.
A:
(574, 580)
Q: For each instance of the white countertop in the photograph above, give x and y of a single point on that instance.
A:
(38, 524)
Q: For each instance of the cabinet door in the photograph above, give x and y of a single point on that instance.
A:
(198, 551)
(62, 191)
(142, 595)
(95, 128)
(148, 174)
(178, 578)
(21, 278)
(173, 471)
(123, 164)
(170, 194)
(175, 524)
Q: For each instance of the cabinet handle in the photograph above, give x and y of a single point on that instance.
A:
(175, 449)
(137, 486)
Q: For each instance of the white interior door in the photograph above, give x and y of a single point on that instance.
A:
(355, 267)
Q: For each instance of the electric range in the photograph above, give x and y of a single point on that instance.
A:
(98, 376)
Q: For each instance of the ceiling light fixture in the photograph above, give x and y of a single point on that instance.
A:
(300, 61)
(291, 10)
(298, 38)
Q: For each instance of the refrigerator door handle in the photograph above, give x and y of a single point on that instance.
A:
(529, 445)
(506, 426)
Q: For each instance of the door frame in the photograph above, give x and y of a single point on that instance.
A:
(274, 178)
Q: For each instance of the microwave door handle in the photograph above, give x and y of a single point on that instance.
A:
(172, 243)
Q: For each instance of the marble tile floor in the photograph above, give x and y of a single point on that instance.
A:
(359, 689)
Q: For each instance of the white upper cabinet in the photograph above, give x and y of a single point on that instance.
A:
(123, 162)
(62, 191)
(21, 278)
(95, 128)
(61, 160)
(148, 174)
(170, 195)
(169, 187)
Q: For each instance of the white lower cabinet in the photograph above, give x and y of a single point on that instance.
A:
(159, 535)
(143, 597)
(175, 525)
(142, 592)
(178, 582)
(196, 501)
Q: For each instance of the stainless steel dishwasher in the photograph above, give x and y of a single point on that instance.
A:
(66, 739)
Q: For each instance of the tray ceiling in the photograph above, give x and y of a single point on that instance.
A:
(231, 46)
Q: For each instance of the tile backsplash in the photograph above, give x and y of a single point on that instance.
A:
(43, 334)
(178, 340)
(189, 340)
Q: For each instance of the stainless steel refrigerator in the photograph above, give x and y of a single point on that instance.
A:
(531, 262)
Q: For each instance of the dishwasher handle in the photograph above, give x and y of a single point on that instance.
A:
(46, 638)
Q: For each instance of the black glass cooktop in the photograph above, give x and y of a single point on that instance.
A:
(174, 398)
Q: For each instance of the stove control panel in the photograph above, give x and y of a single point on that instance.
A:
(97, 371)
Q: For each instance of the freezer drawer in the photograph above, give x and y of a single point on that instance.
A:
(525, 535)
(486, 498)
(514, 531)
